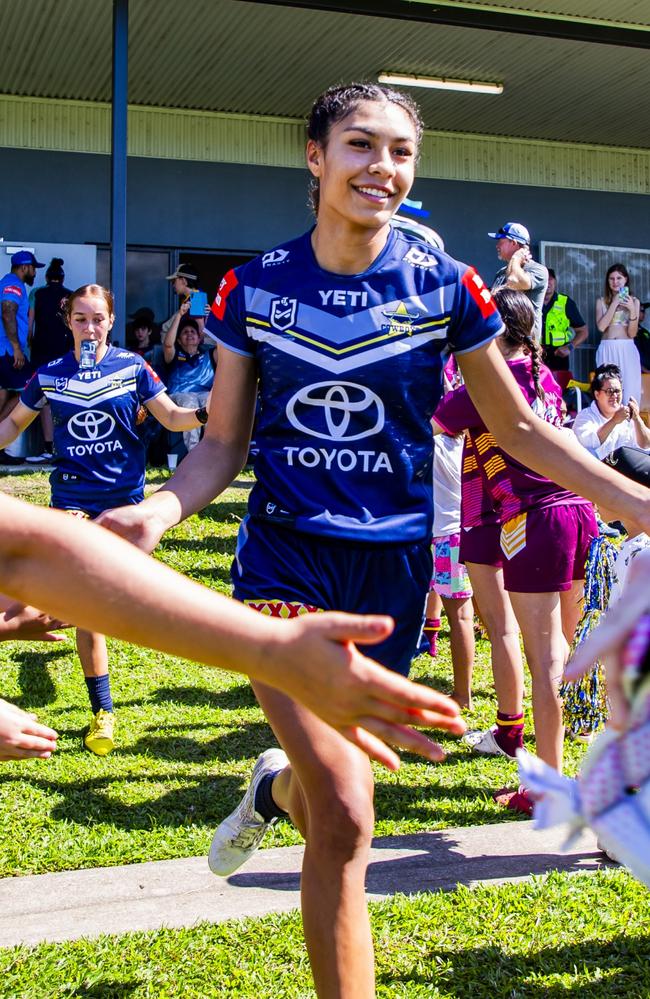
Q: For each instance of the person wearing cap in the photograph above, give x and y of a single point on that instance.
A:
(563, 329)
(15, 369)
(185, 280)
(520, 272)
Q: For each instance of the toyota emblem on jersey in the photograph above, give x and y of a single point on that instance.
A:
(336, 411)
(283, 313)
(93, 425)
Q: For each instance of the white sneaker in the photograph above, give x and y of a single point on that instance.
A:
(484, 742)
(240, 834)
(46, 458)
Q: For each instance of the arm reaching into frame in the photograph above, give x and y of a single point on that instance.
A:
(105, 584)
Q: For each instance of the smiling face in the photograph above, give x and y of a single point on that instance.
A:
(609, 397)
(366, 167)
(616, 281)
(189, 339)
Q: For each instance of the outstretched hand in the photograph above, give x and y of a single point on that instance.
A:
(19, 622)
(371, 706)
(142, 530)
(22, 737)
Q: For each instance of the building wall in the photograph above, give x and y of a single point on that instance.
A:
(65, 197)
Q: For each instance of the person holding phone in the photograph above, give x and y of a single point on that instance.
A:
(617, 318)
(185, 279)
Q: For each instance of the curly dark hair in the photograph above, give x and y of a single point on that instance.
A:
(602, 374)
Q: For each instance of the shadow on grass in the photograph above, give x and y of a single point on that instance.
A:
(89, 803)
(617, 968)
(37, 688)
(237, 697)
(420, 803)
(107, 989)
(240, 744)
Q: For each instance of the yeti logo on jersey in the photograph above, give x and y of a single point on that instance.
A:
(418, 258)
(60, 384)
(400, 319)
(93, 425)
(274, 257)
(336, 411)
(283, 313)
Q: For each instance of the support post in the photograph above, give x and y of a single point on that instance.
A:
(119, 109)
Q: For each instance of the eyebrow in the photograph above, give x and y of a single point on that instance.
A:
(374, 135)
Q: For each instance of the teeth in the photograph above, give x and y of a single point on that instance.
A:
(376, 192)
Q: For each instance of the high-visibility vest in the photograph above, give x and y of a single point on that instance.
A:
(557, 328)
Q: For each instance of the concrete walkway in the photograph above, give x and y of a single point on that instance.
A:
(184, 892)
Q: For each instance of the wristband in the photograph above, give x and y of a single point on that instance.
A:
(201, 415)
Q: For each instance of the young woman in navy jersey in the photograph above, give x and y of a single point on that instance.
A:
(342, 331)
(98, 456)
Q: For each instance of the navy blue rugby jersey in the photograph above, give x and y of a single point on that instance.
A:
(350, 372)
(99, 458)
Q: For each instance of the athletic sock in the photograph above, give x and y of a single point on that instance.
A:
(509, 733)
(265, 802)
(431, 628)
(99, 692)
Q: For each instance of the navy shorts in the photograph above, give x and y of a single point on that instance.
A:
(14, 379)
(282, 572)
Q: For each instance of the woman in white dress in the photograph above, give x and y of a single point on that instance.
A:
(617, 318)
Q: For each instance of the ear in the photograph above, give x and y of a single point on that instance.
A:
(314, 157)
(111, 322)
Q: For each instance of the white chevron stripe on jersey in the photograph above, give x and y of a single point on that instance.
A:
(337, 365)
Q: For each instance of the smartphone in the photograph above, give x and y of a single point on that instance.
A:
(624, 292)
(198, 303)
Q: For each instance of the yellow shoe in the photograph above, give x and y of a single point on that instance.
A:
(99, 737)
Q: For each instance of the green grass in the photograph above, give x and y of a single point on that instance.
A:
(558, 937)
(187, 739)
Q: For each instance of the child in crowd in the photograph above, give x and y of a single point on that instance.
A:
(545, 530)
(450, 582)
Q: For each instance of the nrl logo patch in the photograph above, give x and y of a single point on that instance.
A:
(283, 313)
(60, 384)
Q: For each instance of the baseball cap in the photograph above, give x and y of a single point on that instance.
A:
(25, 257)
(183, 271)
(512, 230)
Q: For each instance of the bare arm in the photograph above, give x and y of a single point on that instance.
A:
(169, 343)
(516, 277)
(9, 311)
(107, 585)
(209, 467)
(581, 333)
(541, 446)
(170, 415)
(605, 314)
(19, 418)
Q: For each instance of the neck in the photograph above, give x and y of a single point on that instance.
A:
(345, 249)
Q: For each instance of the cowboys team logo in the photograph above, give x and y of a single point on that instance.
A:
(336, 411)
(400, 319)
(60, 384)
(283, 313)
(92, 425)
